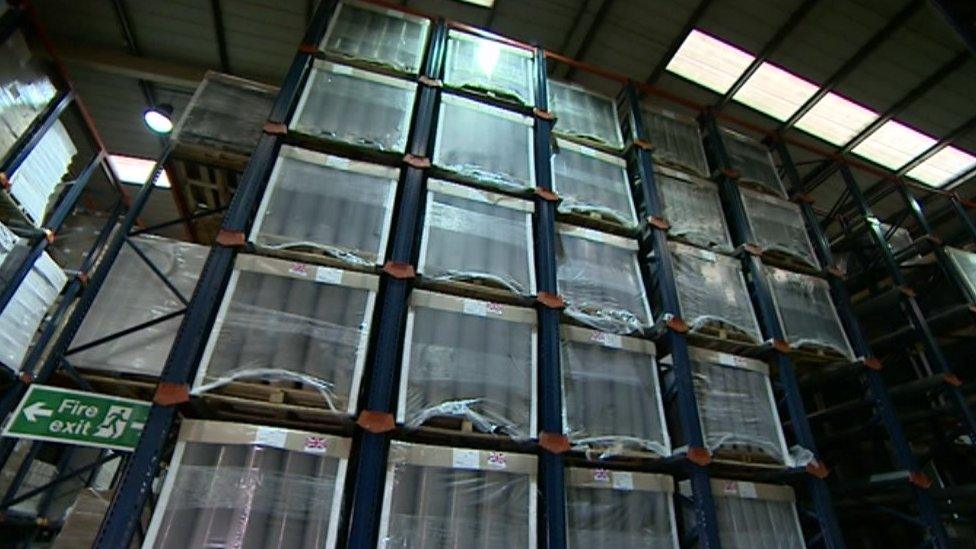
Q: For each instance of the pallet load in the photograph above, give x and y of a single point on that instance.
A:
(457, 497)
(736, 406)
(752, 163)
(237, 485)
(36, 183)
(593, 185)
(489, 68)
(753, 515)
(675, 141)
(693, 210)
(778, 234)
(378, 38)
(619, 509)
(584, 116)
(25, 90)
(964, 262)
(477, 240)
(611, 395)
(468, 365)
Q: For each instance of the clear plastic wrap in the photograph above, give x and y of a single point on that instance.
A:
(752, 515)
(474, 235)
(619, 509)
(735, 404)
(371, 34)
(28, 306)
(236, 485)
(778, 226)
(676, 139)
(35, 182)
(591, 182)
(490, 68)
(712, 293)
(469, 360)
(583, 114)
(25, 90)
(355, 107)
(965, 264)
(693, 208)
(498, 154)
(280, 321)
(83, 520)
(806, 311)
(455, 497)
(131, 295)
(612, 401)
(327, 204)
(226, 113)
(599, 278)
(753, 162)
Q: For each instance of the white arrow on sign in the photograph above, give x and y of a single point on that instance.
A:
(37, 409)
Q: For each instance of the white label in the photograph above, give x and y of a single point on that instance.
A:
(747, 490)
(271, 436)
(623, 481)
(299, 269)
(497, 460)
(328, 275)
(601, 475)
(730, 487)
(608, 340)
(482, 308)
(315, 444)
(728, 360)
(465, 459)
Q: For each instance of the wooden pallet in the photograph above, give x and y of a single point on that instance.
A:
(821, 356)
(464, 179)
(591, 142)
(790, 262)
(313, 256)
(486, 290)
(680, 166)
(281, 403)
(458, 431)
(126, 385)
(328, 145)
(739, 455)
(720, 338)
(598, 221)
(592, 453)
(759, 187)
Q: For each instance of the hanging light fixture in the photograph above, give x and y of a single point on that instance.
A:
(159, 118)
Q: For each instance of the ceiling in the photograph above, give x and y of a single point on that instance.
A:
(121, 52)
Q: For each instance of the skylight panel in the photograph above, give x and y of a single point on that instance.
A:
(709, 61)
(943, 167)
(775, 91)
(893, 145)
(836, 119)
(135, 170)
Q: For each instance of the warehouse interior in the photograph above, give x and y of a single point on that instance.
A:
(493, 273)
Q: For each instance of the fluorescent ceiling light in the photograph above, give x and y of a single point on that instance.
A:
(836, 119)
(159, 118)
(132, 169)
(774, 91)
(893, 145)
(709, 61)
(479, 3)
(943, 167)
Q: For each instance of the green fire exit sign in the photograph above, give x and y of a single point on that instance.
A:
(78, 417)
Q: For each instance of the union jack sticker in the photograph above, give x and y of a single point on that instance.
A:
(316, 445)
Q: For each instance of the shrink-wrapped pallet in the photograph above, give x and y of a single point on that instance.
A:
(964, 262)
(322, 204)
(485, 145)
(25, 90)
(735, 401)
(619, 509)
(600, 280)
(35, 183)
(365, 33)
(778, 227)
(611, 398)
(752, 515)
(753, 162)
(468, 360)
(584, 115)
(477, 236)
(457, 497)
(237, 485)
(133, 294)
(713, 295)
(354, 107)
(806, 312)
(291, 322)
(676, 141)
(693, 209)
(491, 68)
(592, 183)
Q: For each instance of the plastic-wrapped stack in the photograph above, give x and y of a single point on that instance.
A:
(236, 485)
(370, 35)
(28, 306)
(592, 183)
(490, 68)
(753, 515)
(584, 115)
(778, 228)
(25, 90)
(35, 182)
(133, 294)
(676, 141)
(693, 210)
(806, 312)
(753, 163)
(965, 264)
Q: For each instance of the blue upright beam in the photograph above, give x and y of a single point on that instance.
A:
(655, 244)
(376, 417)
(122, 518)
(874, 383)
(959, 206)
(762, 297)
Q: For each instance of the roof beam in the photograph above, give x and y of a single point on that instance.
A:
(689, 25)
(767, 50)
(587, 41)
(112, 61)
(852, 63)
(218, 22)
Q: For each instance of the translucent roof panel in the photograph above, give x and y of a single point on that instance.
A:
(943, 167)
(893, 145)
(775, 91)
(709, 61)
(131, 169)
(836, 119)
